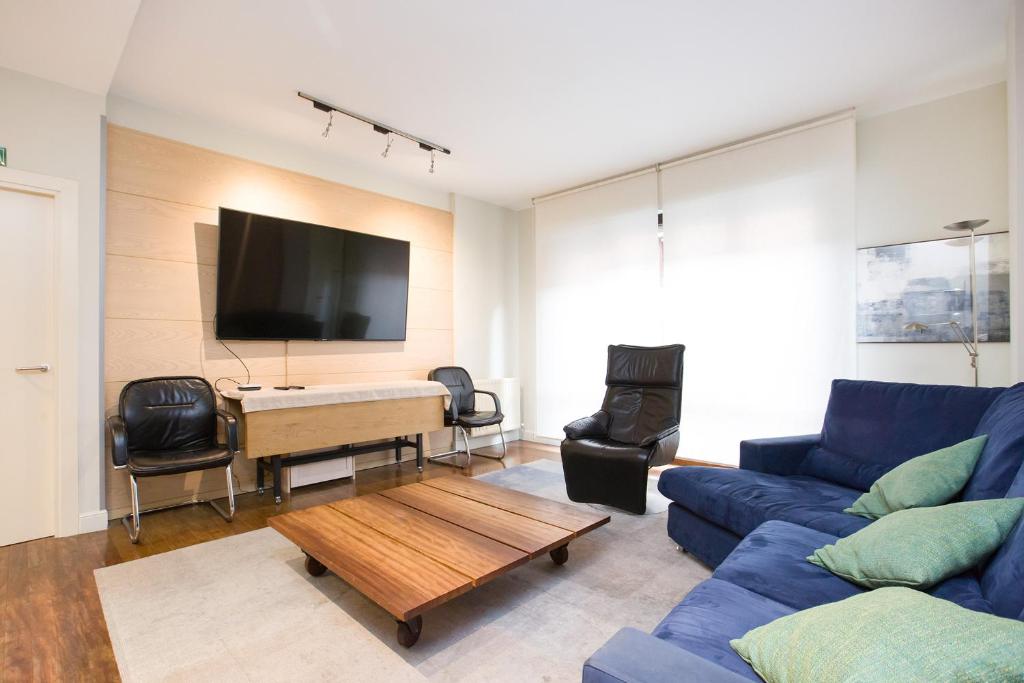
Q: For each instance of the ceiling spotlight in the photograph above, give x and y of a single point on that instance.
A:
(381, 128)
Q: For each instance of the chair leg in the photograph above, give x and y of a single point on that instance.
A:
(504, 448)
(132, 522)
(451, 458)
(230, 514)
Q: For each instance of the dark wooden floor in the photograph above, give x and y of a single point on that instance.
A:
(51, 622)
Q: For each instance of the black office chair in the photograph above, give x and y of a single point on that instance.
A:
(462, 414)
(606, 456)
(168, 425)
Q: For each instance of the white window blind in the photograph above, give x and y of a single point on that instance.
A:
(759, 285)
(596, 284)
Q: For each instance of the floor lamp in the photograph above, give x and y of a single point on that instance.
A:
(970, 343)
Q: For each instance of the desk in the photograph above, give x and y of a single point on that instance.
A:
(274, 424)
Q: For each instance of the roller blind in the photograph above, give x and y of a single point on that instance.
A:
(759, 278)
(597, 283)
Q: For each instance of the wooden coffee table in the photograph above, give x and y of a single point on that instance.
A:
(415, 547)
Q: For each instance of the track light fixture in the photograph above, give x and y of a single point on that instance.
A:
(389, 131)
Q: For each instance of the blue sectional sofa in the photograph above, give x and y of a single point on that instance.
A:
(756, 525)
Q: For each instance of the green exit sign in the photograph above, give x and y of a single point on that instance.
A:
(3, 156)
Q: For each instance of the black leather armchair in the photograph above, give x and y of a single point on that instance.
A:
(606, 456)
(168, 425)
(463, 414)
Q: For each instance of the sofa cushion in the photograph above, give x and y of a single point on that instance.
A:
(921, 547)
(871, 427)
(1003, 454)
(925, 481)
(714, 613)
(771, 561)
(1002, 580)
(742, 500)
(890, 634)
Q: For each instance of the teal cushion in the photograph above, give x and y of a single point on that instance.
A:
(890, 634)
(922, 546)
(927, 480)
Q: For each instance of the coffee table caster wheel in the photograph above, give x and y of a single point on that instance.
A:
(314, 566)
(409, 631)
(560, 555)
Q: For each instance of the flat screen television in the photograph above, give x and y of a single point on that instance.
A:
(282, 279)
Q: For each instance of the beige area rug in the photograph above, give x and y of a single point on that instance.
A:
(243, 609)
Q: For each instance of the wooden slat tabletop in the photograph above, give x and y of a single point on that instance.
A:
(467, 552)
(398, 578)
(528, 535)
(571, 518)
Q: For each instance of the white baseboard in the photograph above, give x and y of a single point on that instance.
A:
(92, 521)
(536, 438)
(491, 439)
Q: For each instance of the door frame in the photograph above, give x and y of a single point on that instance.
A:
(65, 254)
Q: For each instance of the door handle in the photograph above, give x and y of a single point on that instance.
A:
(42, 367)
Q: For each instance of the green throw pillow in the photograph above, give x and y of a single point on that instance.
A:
(891, 634)
(922, 546)
(924, 481)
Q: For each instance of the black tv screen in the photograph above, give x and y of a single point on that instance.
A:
(281, 279)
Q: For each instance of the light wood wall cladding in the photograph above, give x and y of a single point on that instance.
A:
(161, 243)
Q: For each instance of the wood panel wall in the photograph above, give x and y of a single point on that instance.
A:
(161, 246)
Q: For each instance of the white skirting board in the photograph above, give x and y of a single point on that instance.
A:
(92, 521)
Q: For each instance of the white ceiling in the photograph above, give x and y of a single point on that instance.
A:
(74, 42)
(535, 95)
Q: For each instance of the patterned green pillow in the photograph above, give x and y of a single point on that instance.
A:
(924, 481)
(922, 546)
(891, 634)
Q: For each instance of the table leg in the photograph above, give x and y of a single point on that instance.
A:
(314, 566)
(419, 451)
(259, 476)
(560, 555)
(409, 631)
(275, 461)
(398, 449)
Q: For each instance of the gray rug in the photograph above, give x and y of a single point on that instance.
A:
(243, 609)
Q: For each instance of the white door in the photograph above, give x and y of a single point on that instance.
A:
(27, 377)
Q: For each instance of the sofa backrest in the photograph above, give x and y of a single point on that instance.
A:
(1002, 580)
(1003, 455)
(871, 427)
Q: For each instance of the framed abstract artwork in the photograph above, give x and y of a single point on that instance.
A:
(929, 283)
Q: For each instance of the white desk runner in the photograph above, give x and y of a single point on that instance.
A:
(269, 398)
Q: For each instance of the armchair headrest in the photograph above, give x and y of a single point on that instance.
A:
(649, 366)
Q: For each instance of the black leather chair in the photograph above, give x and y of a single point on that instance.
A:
(606, 456)
(168, 425)
(462, 414)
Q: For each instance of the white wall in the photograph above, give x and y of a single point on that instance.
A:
(919, 169)
(54, 130)
(1015, 139)
(486, 296)
(527, 321)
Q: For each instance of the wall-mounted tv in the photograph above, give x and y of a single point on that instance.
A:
(282, 279)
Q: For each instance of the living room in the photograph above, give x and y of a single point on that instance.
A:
(464, 341)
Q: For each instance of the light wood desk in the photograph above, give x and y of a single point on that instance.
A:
(277, 433)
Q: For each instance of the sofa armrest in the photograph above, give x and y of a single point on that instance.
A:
(632, 656)
(780, 455)
(592, 426)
